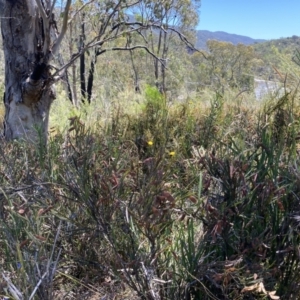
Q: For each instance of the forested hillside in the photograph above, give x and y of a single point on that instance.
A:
(222, 65)
(205, 35)
(161, 177)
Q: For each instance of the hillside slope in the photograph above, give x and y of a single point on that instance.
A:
(204, 35)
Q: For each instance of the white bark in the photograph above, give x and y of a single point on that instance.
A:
(32, 7)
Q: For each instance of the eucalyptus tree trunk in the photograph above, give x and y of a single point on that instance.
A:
(27, 42)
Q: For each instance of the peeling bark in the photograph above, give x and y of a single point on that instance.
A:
(28, 90)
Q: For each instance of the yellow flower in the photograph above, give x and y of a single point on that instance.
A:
(150, 143)
(172, 153)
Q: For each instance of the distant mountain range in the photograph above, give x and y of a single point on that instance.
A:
(204, 35)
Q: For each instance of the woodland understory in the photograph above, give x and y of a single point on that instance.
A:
(163, 177)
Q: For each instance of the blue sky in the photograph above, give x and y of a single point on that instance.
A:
(260, 19)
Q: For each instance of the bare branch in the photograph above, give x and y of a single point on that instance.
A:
(59, 73)
(96, 42)
(79, 10)
(63, 30)
(137, 47)
(185, 40)
(104, 26)
(143, 37)
(134, 27)
(41, 9)
(52, 6)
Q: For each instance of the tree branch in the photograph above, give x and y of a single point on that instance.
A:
(105, 25)
(52, 6)
(79, 10)
(63, 30)
(134, 27)
(59, 72)
(41, 9)
(138, 47)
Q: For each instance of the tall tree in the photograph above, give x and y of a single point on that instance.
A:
(171, 16)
